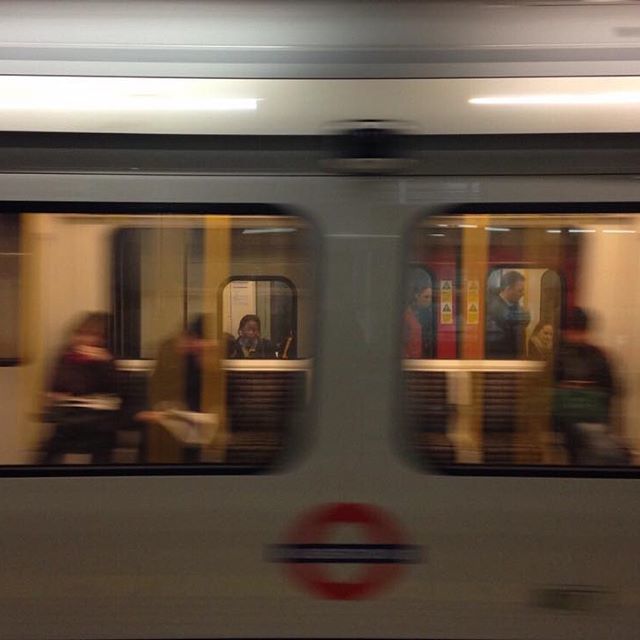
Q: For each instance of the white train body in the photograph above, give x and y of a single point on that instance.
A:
(135, 551)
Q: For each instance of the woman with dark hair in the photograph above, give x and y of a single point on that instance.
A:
(249, 344)
(418, 340)
(82, 397)
(540, 345)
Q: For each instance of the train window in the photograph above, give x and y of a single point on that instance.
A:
(534, 358)
(535, 310)
(9, 269)
(156, 347)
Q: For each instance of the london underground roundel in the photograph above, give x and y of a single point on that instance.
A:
(380, 557)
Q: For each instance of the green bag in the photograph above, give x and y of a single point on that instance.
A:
(581, 405)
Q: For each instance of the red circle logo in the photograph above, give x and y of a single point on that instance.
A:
(308, 551)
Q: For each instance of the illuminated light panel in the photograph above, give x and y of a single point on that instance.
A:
(554, 230)
(437, 235)
(582, 230)
(129, 103)
(29, 93)
(468, 226)
(610, 97)
(497, 229)
(618, 231)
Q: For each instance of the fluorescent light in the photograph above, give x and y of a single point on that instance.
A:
(582, 230)
(554, 230)
(106, 102)
(497, 229)
(468, 226)
(437, 235)
(269, 230)
(609, 97)
(442, 225)
(618, 231)
(80, 94)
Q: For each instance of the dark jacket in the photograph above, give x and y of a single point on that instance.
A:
(82, 376)
(506, 324)
(584, 389)
(263, 350)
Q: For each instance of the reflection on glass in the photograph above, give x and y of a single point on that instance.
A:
(536, 349)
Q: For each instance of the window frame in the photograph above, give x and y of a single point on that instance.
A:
(297, 443)
(401, 434)
(261, 278)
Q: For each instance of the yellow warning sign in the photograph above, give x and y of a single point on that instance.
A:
(446, 302)
(473, 302)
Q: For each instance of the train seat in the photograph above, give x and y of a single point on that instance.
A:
(263, 407)
(428, 413)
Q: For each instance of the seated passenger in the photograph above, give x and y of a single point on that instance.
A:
(82, 400)
(176, 382)
(584, 392)
(540, 345)
(249, 344)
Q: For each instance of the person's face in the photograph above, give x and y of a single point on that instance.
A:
(546, 334)
(250, 330)
(515, 292)
(423, 298)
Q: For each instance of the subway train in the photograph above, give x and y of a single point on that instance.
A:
(319, 319)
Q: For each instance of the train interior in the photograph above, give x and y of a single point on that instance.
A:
(473, 404)
(153, 277)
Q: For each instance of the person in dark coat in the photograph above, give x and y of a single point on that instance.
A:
(584, 391)
(249, 343)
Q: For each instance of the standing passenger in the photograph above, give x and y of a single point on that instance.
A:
(418, 339)
(507, 319)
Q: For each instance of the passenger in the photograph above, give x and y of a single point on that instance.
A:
(249, 344)
(507, 319)
(82, 400)
(584, 391)
(541, 342)
(418, 324)
(176, 382)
